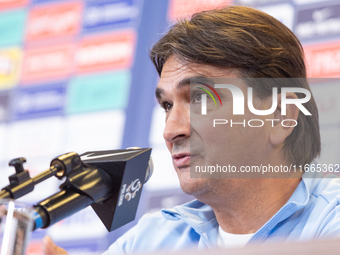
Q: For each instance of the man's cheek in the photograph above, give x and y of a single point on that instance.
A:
(169, 146)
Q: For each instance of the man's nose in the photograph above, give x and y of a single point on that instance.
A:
(177, 125)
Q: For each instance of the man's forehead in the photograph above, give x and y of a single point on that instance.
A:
(175, 66)
(179, 73)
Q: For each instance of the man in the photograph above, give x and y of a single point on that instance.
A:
(235, 43)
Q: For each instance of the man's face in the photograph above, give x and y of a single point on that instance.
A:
(198, 142)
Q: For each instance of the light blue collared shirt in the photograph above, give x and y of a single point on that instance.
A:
(311, 212)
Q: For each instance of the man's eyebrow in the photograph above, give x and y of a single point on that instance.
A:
(159, 93)
(193, 80)
(182, 83)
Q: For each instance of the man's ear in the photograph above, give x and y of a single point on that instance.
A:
(279, 132)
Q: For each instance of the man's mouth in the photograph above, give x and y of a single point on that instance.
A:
(181, 159)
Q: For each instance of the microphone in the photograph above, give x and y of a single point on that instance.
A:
(110, 181)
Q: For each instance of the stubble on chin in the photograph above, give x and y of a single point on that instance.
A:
(193, 186)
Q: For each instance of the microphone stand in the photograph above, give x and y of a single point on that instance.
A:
(97, 183)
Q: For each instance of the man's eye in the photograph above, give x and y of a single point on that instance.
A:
(197, 98)
(166, 106)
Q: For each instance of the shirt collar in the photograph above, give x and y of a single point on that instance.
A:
(198, 215)
(202, 218)
(297, 201)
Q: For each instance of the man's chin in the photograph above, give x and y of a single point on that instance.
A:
(194, 186)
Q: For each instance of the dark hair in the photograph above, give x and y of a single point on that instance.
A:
(256, 44)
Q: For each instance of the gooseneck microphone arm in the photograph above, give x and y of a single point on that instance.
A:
(106, 180)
